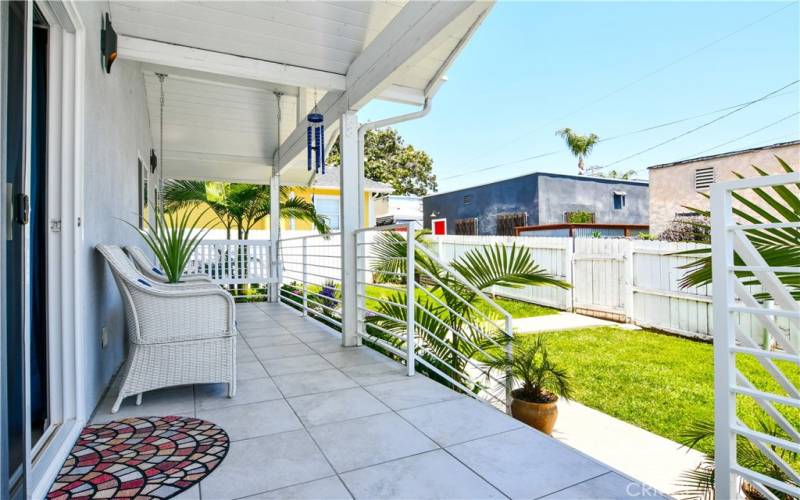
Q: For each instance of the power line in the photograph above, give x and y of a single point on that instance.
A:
(504, 164)
(745, 135)
(634, 82)
(695, 129)
(619, 136)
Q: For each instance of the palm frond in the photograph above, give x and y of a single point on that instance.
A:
(499, 265)
(780, 247)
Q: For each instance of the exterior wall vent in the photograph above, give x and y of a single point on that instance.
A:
(468, 199)
(704, 178)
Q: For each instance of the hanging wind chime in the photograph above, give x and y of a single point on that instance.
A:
(315, 139)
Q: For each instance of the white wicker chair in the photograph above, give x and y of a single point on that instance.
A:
(178, 334)
(146, 267)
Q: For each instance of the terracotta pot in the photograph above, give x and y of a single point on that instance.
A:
(540, 416)
(751, 493)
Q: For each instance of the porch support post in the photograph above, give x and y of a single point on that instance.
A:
(274, 235)
(351, 219)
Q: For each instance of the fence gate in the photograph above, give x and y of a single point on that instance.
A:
(600, 277)
(732, 344)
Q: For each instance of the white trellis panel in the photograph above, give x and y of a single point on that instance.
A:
(732, 298)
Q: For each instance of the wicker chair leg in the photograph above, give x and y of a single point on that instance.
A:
(117, 403)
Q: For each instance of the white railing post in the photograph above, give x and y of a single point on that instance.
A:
(305, 277)
(509, 356)
(410, 300)
(724, 340)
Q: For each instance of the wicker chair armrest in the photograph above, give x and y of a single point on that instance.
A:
(196, 278)
(187, 314)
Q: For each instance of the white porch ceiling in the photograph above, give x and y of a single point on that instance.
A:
(221, 124)
(322, 35)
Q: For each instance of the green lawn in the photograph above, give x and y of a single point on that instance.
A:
(517, 308)
(658, 382)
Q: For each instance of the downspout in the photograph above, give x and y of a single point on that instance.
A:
(362, 131)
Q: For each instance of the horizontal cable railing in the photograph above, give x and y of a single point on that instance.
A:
(415, 307)
(445, 335)
(311, 276)
(242, 266)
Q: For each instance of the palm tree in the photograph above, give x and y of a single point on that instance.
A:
(579, 145)
(615, 174)
(450, 328)
(240, 206)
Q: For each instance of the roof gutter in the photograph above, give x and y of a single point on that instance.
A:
(362, 132)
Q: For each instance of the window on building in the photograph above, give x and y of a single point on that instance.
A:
(467, 226)
(619, 200)
(704, 178)
(507, 222)
(328, 207)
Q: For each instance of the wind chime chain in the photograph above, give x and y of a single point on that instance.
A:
(160, 200)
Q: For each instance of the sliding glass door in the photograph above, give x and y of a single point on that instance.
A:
(26, 375)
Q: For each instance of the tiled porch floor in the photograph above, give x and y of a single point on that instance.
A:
(312, 419)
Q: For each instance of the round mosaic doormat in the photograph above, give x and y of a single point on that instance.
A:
(141, 457)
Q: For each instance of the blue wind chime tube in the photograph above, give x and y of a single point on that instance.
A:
(315, 139)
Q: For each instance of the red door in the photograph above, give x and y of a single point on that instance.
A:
(440, 226)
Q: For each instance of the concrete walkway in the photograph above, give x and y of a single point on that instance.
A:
(631, 450)
(560, 321)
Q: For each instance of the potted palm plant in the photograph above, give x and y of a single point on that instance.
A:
(538, 380)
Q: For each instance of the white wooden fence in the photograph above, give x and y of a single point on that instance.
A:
(627, 280)
(233, 263)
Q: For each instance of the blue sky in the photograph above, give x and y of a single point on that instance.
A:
(609, 68)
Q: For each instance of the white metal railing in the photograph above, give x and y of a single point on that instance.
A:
(311, 281)
(396, 323)
(237, 264)
(731, 297)
(311, 276)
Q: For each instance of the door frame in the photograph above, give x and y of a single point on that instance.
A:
(65, 123)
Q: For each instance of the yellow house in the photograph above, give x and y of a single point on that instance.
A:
(324, 194)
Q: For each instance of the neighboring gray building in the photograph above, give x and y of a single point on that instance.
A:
(535, 199)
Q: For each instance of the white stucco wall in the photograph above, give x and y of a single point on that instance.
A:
(117, 130)
(672, 187)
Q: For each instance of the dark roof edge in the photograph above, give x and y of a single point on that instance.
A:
(636, 182)
(729, 153)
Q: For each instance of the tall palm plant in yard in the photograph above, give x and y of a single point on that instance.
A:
(780, 247)
(450, 329)
(699, 482)
(579, 145)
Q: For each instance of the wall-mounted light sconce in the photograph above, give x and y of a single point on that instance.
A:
(153, 161)
(108, 44)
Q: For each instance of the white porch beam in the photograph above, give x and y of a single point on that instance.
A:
(416, 25)
(274, 234)
(351, 218)
(207, 61)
